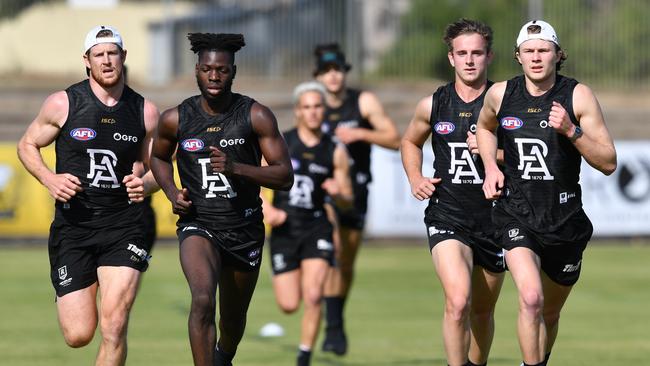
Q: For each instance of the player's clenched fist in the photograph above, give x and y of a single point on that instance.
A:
(493, 183)
(134, 187)
(219, 161)
(472, 145)
(559, 119)
(423, 187)
(181, 204)
(63, 187)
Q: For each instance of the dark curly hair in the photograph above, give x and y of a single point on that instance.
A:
(216, 42)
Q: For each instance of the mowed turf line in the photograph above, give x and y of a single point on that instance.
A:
(393, 317)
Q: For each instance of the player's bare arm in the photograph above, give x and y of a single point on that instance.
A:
(278, 174)
(472, 146)
(384, 132)
(43, 130)
(164, 146)
(486, 139)
(415, 136)
(142, 183)
(339, 187)
(595, 144)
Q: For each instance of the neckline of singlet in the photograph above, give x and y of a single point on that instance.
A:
(454, 94)
(100, 104)
(218, 117)
(530, 97)
(320, 142)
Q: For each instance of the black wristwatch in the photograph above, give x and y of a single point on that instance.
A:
(576, 134)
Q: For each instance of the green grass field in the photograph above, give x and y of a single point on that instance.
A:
(393, 317)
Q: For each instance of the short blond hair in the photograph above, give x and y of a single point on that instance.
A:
(308, 86)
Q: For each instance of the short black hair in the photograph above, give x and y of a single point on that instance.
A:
(229, 42)
(464, 26)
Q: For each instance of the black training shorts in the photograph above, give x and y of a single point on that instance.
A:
(294, 241)
(485, 252)
(76, 253)
(561, 259)
(240, 248)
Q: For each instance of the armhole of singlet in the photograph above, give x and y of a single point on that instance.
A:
(143, 125)
(71, 100)
(569, 106)
(506, 92)
(179, 111)
(434, 107)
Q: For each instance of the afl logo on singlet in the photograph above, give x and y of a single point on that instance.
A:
(83, 134)
(511, 123)
(444, 128)
(192, 145)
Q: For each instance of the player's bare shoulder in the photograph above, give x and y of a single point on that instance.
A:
(423, 108)
(55, 109)
(494, 96)
(151, 115)
(263, 119)
(369, 103)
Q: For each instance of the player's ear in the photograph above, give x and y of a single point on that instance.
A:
(450, 57)
(518, 56)
(234, 71)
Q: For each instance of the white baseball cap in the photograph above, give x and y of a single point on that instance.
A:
(546, 33)
(92, 39)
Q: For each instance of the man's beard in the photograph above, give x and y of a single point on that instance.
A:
(104, 82)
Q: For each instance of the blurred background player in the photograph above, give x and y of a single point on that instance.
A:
(301, 241)
(458, 219)
(102, 129)
(547, 123)
(357, 119)
(221, 138)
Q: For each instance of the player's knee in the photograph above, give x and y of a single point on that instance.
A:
(457, 307)
(531, 301)
(288, 306)
(204, 305)
(233, 324)
(78, 339)
(313, 297)
(482, 315)
(551, 318)
(113, 328)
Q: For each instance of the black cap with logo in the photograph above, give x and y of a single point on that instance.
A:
(330, 56)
